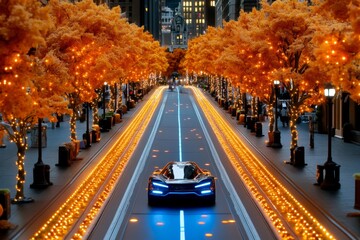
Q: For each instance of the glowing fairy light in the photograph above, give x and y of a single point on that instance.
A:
(263, 186)
(112, 164)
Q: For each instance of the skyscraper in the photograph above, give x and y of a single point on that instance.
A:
(198, 14)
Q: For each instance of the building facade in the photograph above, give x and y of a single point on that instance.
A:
(194, 15)
(227, 10)
(167, 15)
(179, 32)
(152, 17)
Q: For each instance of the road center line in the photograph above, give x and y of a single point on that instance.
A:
(182, 218)
(182, 225)
(179, 125)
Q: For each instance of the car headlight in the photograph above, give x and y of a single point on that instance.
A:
(205, 184)
(160, 185)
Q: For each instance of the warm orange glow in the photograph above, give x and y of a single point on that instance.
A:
(67, 215)
(260, 182)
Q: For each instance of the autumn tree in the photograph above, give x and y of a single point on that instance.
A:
(83, 39)
(202, 54)
(248, 58)
(29, 86)
(286, 40)
(338, 51)
(174, 59)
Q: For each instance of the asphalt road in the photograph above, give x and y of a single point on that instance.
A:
(179, 132)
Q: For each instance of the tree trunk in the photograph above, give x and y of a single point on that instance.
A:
(21, 148)
(73, 125)
(95, 111)
(19, 127)
(293, 114)
(271, 117)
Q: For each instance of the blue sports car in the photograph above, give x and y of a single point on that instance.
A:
(179, 180)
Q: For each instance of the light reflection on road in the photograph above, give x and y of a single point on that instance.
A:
(201, 223)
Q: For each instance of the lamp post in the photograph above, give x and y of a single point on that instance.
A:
(40, 171)
(105, 83)
(332, 170)
(277, 133)
(116, 95)
(103, 120)
(87, 134)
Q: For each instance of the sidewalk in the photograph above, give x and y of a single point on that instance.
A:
(24, 214)
(335, 204)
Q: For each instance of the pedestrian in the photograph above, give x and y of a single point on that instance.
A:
(2, 136)
(2, 133)
(284, 117)
(311, 130)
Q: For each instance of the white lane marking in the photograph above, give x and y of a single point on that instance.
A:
(182, 225)
(179, 127)
(124, 204)
(238, 205)
(182, 218)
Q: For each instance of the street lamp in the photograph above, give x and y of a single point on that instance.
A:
(87, 134)
(277, 133)
(332, 170)
(41, 171)
(103, 120)
(105, 83)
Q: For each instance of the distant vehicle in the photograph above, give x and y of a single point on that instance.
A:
(181, 180)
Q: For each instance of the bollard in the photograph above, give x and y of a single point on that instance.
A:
(64, 157)
(41, 175)
(248, 122)
(299, 157)
(258, 129)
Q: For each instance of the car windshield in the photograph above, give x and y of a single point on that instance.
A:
(181, 171)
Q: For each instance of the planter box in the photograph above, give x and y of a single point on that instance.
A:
(117, 118)
(95, 133)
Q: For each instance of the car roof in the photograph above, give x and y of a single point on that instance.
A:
(180, 170)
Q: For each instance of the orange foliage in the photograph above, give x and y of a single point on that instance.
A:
(286, 40)
(28, 88)
(174, 60)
